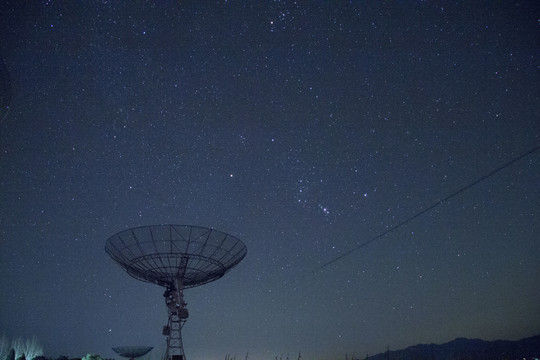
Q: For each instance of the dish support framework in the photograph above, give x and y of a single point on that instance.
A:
(178, 314)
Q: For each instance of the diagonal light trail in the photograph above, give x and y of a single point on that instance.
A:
(397, 226)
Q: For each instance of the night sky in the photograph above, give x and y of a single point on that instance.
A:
(304, 129)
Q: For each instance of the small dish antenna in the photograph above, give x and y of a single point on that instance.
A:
(132, 352)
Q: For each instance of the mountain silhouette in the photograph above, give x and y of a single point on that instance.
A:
(461, 349)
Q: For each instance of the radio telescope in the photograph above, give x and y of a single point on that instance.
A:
(132, 352)
(176, 257)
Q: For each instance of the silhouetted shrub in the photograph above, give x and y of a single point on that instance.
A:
(92, 357)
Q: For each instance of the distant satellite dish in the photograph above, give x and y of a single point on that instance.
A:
(132, 352)
(176, 257)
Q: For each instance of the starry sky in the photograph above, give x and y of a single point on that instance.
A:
(304, 129)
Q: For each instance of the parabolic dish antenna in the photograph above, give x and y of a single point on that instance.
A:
(176, 257)
(132, 352)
